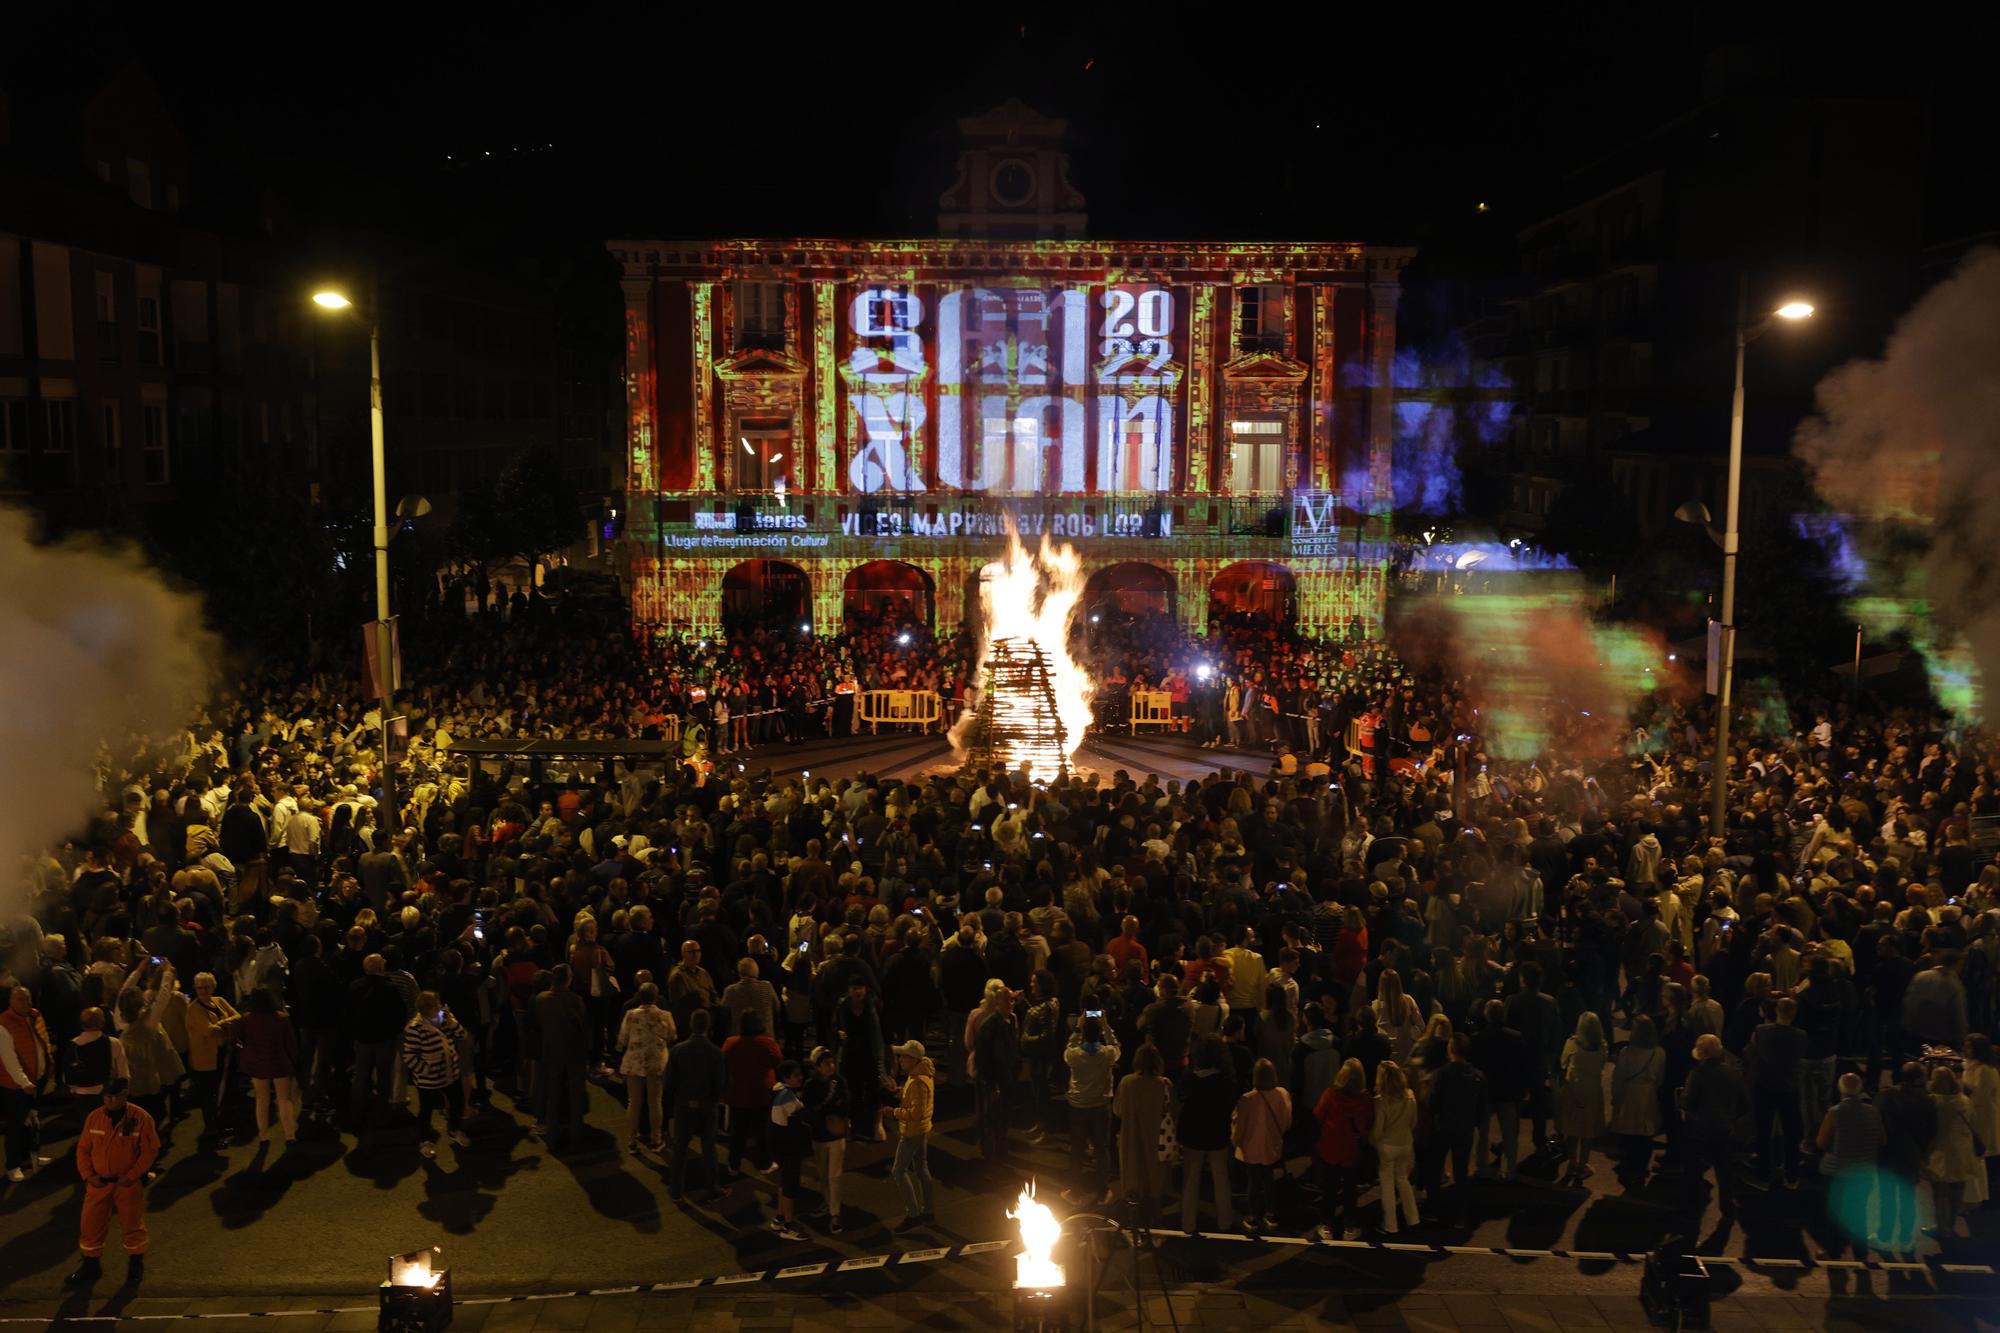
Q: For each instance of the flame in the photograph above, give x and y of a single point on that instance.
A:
(1029, 599)
(412, 1270)
(1037, 1268)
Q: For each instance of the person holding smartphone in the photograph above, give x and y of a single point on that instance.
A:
(1092, 1058)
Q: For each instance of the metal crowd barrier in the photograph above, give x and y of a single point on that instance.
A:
(1152, 708)
(919, 708)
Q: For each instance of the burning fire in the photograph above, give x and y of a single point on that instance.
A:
(1028, 600)
(1037, 1269)
(412, 1270)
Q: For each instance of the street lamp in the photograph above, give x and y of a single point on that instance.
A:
(1746, 333)
(334, 300)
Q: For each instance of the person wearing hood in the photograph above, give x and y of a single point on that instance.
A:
(911, 1169)
(1317, 1058)
(1642, 867)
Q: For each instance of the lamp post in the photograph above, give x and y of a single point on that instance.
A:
(330, 299)
(1746, 333)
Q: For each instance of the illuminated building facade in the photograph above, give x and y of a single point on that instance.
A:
(831, 422)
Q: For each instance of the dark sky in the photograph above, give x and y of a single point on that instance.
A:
(1246, 121)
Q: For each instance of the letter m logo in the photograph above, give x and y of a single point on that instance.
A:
(1314, 511)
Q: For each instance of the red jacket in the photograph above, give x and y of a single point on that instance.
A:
(124, 1148)
(1344, 1122)
(270, 1046)
(1350, 954)
(752, 1063)
(1124, 951)
(32, 1048)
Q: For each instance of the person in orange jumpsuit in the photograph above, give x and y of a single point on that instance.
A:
(113, 1154)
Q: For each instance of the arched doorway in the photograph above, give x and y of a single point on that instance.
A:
(887, 593)
(1253, 590)
(766, 594)
(1130, 588)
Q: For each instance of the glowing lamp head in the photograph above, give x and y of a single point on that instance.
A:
(331, 300)
(1795, 310)
(904, 638)
(1203, 671)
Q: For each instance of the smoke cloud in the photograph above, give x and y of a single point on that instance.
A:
(1905, 444)
(1445, 405)
(1540, 670)
(101, 656)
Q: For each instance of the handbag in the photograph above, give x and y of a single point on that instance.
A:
(1170, 1140)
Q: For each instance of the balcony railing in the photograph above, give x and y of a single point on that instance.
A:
(691, 519)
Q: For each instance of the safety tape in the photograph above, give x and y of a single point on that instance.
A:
(864, 1263)
(908, 1258)
(1591, 1256)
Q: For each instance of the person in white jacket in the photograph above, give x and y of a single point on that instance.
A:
(1394, 1135)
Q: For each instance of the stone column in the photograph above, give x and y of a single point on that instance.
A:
(1382, 400)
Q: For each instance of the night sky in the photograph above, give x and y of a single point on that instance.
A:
(1245, 122)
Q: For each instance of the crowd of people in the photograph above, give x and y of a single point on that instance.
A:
(1389, 967)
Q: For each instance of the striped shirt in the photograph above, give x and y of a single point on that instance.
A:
(430, 1051)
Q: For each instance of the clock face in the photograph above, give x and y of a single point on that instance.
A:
(1012, 182)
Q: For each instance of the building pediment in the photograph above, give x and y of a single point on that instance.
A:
(1265, 368)
(760, 363)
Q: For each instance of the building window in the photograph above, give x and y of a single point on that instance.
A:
(107, 317)
(173, 198)
(760, 315)
(149, 331)
(59, 441)
(14, 444)
(157, 467)
(104, 171)
(113, 440)
(1260, 318)
(764, 458)
(139, 182)
(1257, 456)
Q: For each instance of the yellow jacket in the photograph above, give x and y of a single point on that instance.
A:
(208, 1026)
(914, 1115)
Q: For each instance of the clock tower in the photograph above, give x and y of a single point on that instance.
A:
(1013, 179)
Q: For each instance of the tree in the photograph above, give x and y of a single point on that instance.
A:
(477, 538)
(535, 509)
(272, 566)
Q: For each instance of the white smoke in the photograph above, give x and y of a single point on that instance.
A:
(1907, 445)
(99, 655)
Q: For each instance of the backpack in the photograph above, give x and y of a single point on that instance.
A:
(87, 1065)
